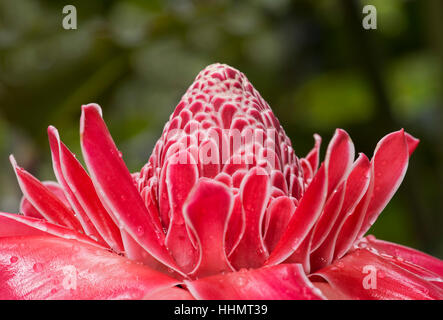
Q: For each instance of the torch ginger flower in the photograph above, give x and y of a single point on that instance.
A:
(223, 209)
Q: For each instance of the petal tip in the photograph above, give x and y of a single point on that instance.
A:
(412, 142)
(53, 134)
(88, 109)
(93, 107)
(13, 161)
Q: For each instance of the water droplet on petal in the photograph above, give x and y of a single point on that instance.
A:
(38, 267)
(140, 231)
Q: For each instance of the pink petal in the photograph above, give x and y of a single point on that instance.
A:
(181, 178)
(417, 270)
(281, 282)
(358, 184)
(56, 189)
(254, 193)
(364, 275)
(329, 292)
(209, 159)
(303, 219)
(328, 217)
(279, 213)
(236, 226)
(207, 214)
(390, 162)
(136, 252)
(28, 210)
(339, 158)
(41, 198)
(408, 254)
(412, 143)
(88, 226)
(313, 156)
(115, 186)
(301, 255)
(278, 181)
(163, 198)
(308, 172)
(355, 188)
(14, 225)
(55, 268)
(83, 193)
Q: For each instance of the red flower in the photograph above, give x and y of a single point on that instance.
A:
(223, 209)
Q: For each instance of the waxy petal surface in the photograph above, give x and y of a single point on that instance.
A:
(28, 209)
(365, 275)
(282, 282)
(357, 186)
(254, 192)
(339, 158)
(15, 225)
(279, 213)
(71, 270)
(328, 217)
(390, 162)
(115, 186)
(182, 175)
(88, 226)
(304, 218)
(407, 254)
(82, 192)
(207, 214)
(313, 157)
(46, 202)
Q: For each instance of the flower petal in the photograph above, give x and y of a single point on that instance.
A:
(303, 219)
(46, 202)
(390, 162)
(358, 184)
(329, 292)
(362, 274)
(328, 217)
(27, 208)
(408, 254)
(136, 252)
(82, 193)
(254, 193)
(339, 158)
(412, 143)
(115, 186)
(206, 213)
(55, 268)
(280, 211)
(88, 226)
(355, 188)
(281, 282)
(14, 225)
(182, 175)
(236, 225)
(313, 157)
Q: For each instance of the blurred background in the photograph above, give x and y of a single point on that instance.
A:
(311, 60)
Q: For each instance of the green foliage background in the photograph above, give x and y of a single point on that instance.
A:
(311, 60)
